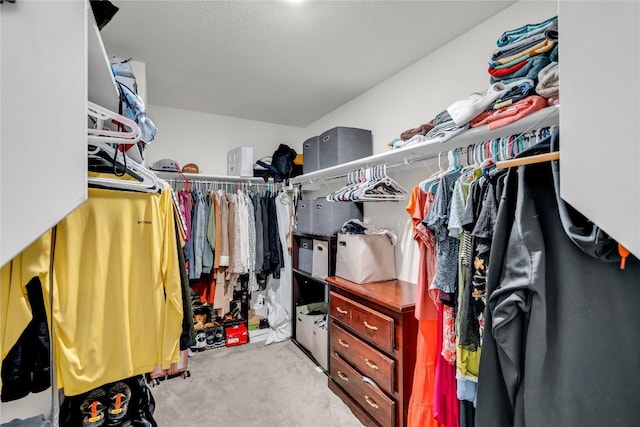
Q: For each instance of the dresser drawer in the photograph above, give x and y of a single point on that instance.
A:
(373, 400)
(340, 308)
(366, 359)
(373, 325)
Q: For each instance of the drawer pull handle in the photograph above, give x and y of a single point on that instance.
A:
(342, 376)
(371, 364)
(368, 326)
(371, 402)
(341, 311)
(342, 343)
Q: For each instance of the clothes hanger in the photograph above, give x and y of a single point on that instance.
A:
(529, 160)
(382, 187)
(101, 133)
(144, 179)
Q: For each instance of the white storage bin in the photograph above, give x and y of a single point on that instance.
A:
(320, 265)
(305, 322)
(364, 258)
(240, 161)
(320, 349)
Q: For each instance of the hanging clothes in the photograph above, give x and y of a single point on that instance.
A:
(559, 296)
(284, 213)
(421, 403)
(26, 368)
(126, 244)
(209, 227)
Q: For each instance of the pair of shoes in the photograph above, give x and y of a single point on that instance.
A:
(100, 406)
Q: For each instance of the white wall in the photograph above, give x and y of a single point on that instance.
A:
(414, 96)
(204, 139)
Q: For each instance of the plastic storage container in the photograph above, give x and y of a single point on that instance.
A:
(342, 144)
(240, 161)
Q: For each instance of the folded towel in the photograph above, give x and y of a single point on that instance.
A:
(445, 131)
(525, 31)
(549, 81)
(512, 113)
(529, 71)
(519, 46)
(508, 70)
(537, 49)
(421, 130)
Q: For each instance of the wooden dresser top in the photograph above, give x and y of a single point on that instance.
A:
(397, 295)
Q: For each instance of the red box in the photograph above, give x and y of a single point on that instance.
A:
(236, 335)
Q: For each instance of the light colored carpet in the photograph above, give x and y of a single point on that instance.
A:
(251, 385)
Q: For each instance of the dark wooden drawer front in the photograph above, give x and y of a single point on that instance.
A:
(340, 308)
(366, 359)
(373, 325)
(372, 400)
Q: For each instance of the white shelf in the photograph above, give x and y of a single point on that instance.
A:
(407, 155)
(101, 83)
(211, 178)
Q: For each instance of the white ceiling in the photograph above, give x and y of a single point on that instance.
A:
(278, 61)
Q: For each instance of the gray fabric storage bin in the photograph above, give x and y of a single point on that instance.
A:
(310, 155)
(305, 255)
(342, 144)
(303, 216)
(327, 218)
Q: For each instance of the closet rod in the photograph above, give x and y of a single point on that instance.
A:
(209, 178)
(244, 183)
(539, 158)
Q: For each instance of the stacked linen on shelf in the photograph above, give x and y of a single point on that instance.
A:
(524, 52)
(524, 79)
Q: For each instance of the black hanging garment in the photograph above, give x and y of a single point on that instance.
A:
(27, 368)
(561, 340)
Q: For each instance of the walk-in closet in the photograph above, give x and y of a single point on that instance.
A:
(319, 213)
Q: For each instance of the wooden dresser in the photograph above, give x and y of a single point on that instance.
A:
(373, 334)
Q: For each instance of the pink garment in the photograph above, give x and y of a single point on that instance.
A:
(448, 334)
(425, 309)
(187, 205)
(510, 113)
(429, 245)
(446, 407)
(554, 100)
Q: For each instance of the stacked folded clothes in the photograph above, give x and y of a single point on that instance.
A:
(420, 130)
(523, 52)
(549, 81)
(510, 113)
(524, 78)
(518, 90)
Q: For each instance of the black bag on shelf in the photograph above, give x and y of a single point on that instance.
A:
(281, 165)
